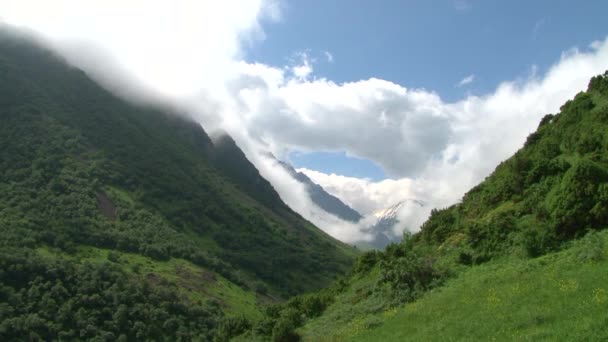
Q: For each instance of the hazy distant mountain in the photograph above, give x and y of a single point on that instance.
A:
(386, 219)
(322, 198)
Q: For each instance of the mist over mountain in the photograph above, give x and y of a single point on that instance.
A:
(386, 224)
(321, 198)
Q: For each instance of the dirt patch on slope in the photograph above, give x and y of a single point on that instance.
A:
(194, 281)
(153, 279)
(105, 205)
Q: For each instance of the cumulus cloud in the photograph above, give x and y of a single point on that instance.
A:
(302, 67)
(190, 54)
(467, 80)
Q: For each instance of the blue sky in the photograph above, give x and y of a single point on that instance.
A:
(426, 44)
(339, 163)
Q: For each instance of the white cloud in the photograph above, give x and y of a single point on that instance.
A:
(537, 27)
(364, 195)
(174, 47)
(467, 80)
(329, 56)
(191, 53)
(302, 66)
(462, 5)
(302, 71)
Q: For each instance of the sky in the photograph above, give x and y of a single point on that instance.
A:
(454, 48)
(378, 102)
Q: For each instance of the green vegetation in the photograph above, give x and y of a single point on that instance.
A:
(195, 282)
(559, 297)
(46, 298)
(105, 198)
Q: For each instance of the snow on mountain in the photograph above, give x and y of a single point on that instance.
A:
(386, 219)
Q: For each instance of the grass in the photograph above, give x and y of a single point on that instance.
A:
(561, 296)
(195, 282)
(350, 311)
(121, 194)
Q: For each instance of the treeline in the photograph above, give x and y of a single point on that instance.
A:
(45, 299)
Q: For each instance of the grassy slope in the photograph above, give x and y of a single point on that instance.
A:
(559, 296)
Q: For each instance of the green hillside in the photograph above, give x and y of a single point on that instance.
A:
(561, 296)
(518, 229)
(118, 207)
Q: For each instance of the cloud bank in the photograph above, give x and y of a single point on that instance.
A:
(190, 54)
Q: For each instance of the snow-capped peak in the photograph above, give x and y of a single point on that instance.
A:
(388, 213)
(391, 212)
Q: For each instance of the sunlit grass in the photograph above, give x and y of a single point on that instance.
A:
(561, 296)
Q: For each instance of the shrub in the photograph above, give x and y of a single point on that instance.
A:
(231, 327)
(591, 247)
(285, 331)
(366, 262)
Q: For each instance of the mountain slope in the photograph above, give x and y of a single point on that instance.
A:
(322, 198)
(232, 162)
(557, 297)
(81, 169)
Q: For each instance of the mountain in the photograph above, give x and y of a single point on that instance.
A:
(523, 256)
(228, 158)
(126, 222)
(382, 230)
(322, 198)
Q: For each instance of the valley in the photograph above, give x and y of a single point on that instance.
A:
(130, 219)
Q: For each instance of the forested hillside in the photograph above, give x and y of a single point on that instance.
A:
(541, 201)
(123, 221)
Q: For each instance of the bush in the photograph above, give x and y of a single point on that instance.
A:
(538, 241)
(231, 327)
(366, 262)
(113, 257)
(579, 193)
(314, 305)
(285, 331)
(261, 289)
(591, 247)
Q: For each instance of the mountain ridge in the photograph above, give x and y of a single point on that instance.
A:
(105, 189)
(324, 200)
